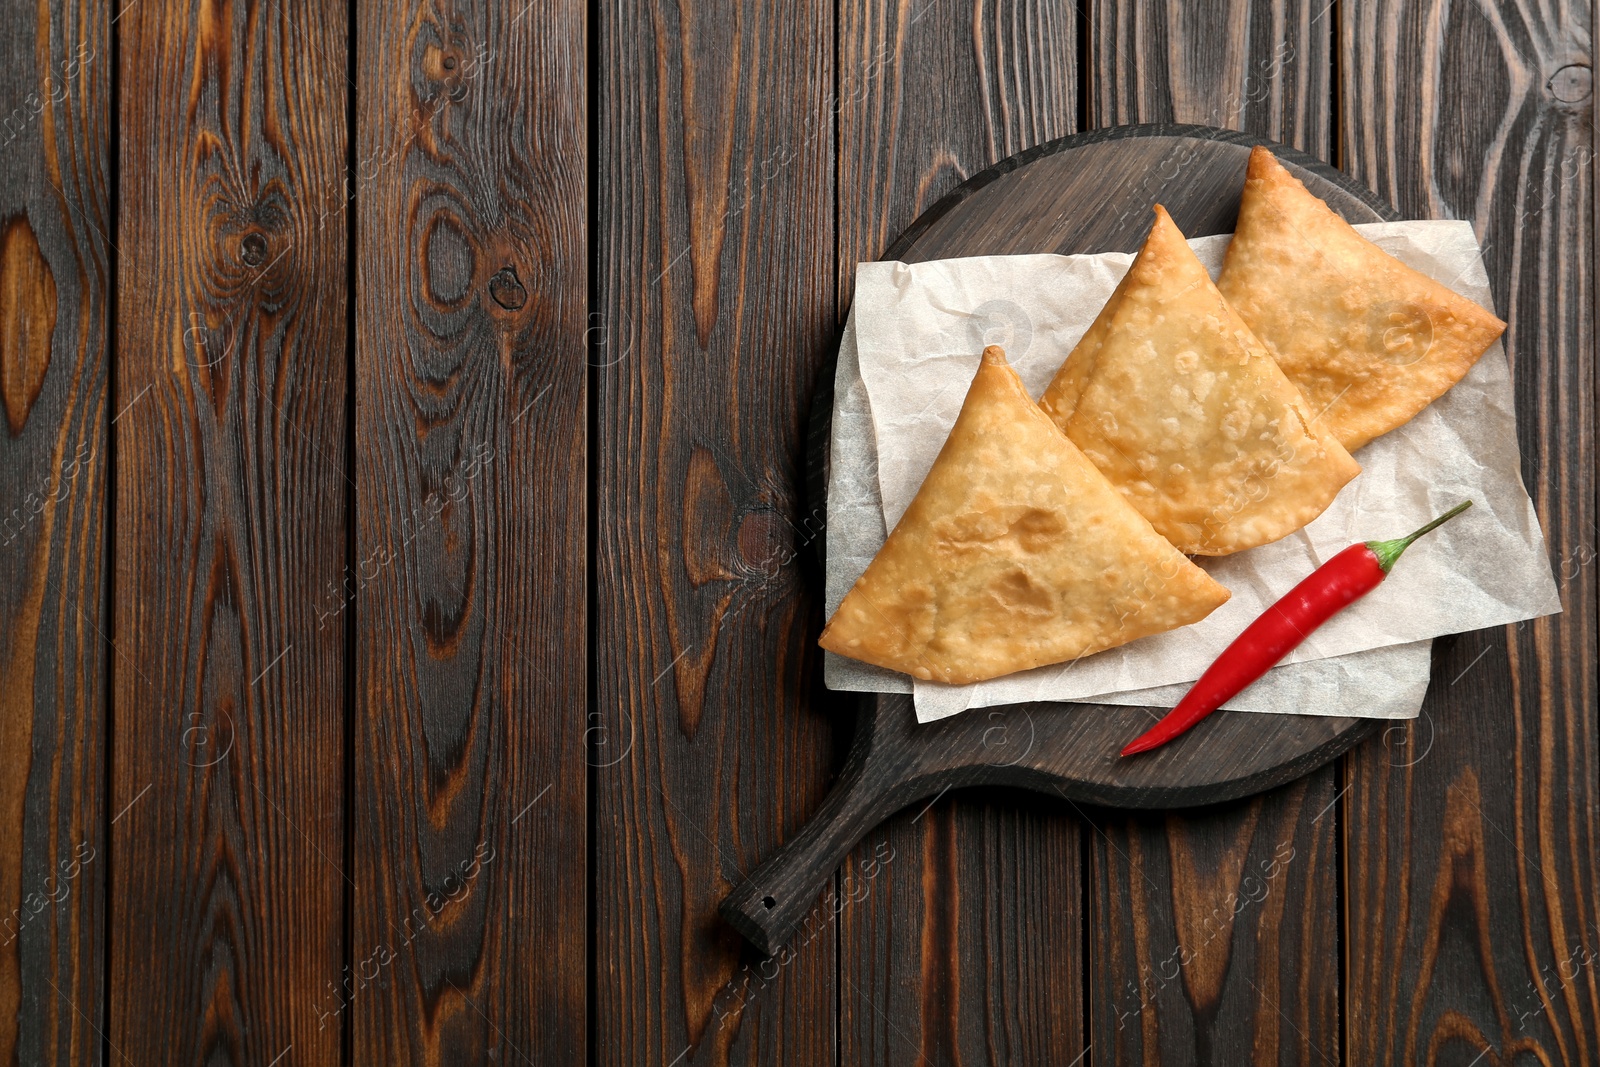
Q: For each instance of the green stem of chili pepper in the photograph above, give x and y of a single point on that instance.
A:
(1341, 581)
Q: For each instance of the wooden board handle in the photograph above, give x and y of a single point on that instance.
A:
(774, 900)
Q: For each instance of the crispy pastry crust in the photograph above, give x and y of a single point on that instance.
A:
(1015, 553)
(1369, 341)
(1172, 397)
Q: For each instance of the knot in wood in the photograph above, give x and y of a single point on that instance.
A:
(1571, 84)
(507, 289)
(253, 250)
(762, 543)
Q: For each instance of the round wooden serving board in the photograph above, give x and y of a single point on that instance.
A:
(1092, 192)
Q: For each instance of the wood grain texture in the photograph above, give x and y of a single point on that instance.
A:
(715, 280)
(961, 935)
(226, 906)
(968, 946)
(468, 837)
(1264, 67)
(930, 93)
(230, 913)
(1471, 855)
(1257, 65)
(1214, 935)
(54, 261)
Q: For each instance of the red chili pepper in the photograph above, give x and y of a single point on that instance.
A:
(1329, 589)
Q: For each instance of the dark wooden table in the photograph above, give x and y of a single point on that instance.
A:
(406, 633)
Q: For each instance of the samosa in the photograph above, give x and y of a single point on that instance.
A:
(1369, 340)
(1015, 552)
(1176, 402)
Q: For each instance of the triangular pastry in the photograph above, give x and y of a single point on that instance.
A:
(1369, 341)
(1178, 404)
(1014, 553)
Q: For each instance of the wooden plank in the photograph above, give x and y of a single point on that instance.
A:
(931, 94)
(467, 921)
(1192, 965)
(227, 900)
(960, 928)
(1258, 65)
(55, 88)
(1472, 867)
(1212, 934)
(715, 306)
(961, 935)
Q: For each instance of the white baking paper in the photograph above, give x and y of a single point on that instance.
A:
(915, 335)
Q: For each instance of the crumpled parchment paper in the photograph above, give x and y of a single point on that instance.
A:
(909, 352)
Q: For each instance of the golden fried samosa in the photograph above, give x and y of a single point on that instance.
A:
(1369, 341)
(1178, 404)
(1015, 552)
